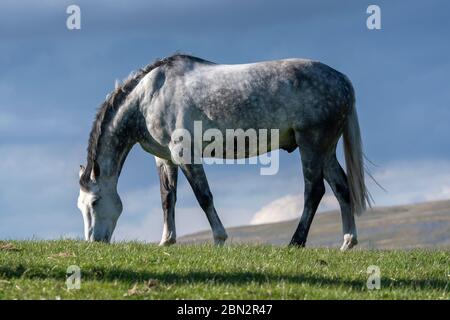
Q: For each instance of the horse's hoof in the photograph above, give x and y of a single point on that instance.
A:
(349, 242)
(297, 243)
(167, 242)
(220, 240)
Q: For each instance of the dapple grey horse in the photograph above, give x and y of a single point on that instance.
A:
(311, 104)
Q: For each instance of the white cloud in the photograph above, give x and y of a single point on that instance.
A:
(288, 208)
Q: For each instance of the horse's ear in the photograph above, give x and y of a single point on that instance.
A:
(95, 173)
(81, 172)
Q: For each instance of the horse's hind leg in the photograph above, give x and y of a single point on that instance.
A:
(168, 176)
(336, 178)
(312, 163)
(197, 179)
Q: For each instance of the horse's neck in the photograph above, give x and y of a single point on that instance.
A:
(118, 138)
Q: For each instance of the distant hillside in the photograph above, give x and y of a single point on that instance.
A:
(423, 225)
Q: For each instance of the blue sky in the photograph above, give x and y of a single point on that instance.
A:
(52, 80)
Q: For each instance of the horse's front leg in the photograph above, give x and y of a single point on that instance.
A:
(197, 179)
(168, 176)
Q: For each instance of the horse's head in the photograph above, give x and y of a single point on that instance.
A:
(100, 206)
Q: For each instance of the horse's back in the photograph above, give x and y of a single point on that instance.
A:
(282, 94)
(272, 94)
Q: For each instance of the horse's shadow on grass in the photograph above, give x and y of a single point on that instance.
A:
(202, 277)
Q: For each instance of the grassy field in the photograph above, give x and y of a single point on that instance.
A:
(37, 269)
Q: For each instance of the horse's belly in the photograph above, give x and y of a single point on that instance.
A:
(239, 143)
(258, 111)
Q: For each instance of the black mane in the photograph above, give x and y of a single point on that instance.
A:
(112, 103)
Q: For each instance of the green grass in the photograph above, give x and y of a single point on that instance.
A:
(37, 269)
